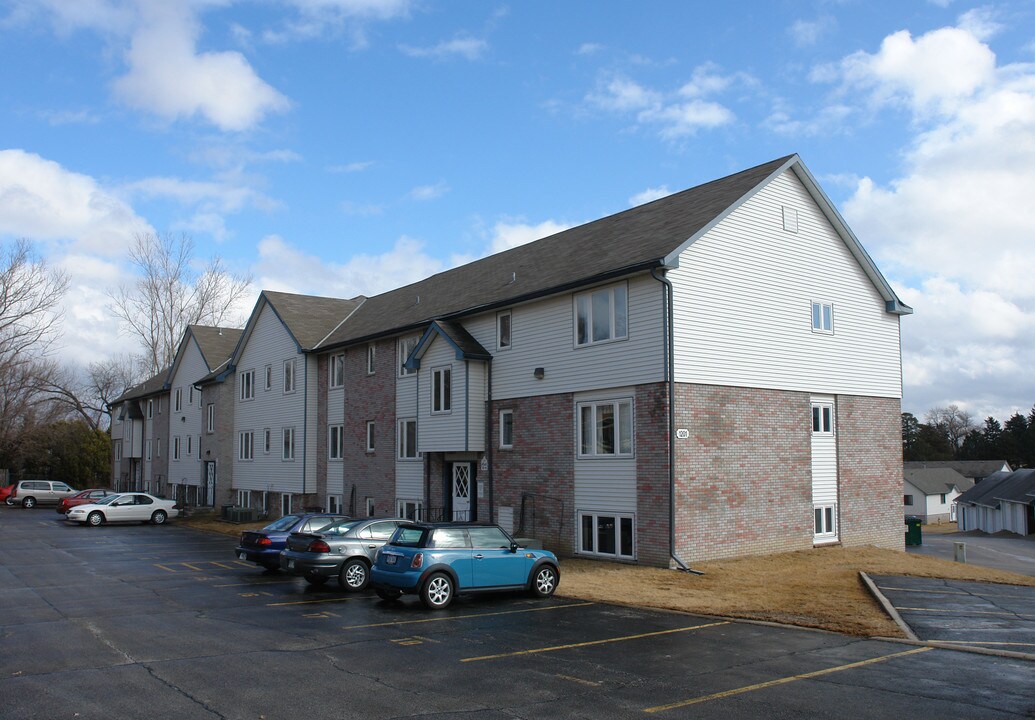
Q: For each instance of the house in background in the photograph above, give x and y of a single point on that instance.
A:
(139, 434)
(930, 493)
(1003, 501)
(975, 470)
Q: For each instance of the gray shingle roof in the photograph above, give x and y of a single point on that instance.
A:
(1017, 487)
(967, 468)
(635, 239)
(935, 481)
(984, 492)
(309, 319)
(216, 344)
(152, 386)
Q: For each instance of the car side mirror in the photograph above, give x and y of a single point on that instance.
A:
(513, 546)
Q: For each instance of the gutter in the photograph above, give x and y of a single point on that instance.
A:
(670, 379)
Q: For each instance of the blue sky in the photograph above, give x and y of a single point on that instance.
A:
(339, 147)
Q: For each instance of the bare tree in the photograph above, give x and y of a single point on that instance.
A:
(171, 294)
(954, 422)
(87, 395)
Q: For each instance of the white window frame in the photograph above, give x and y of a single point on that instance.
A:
(247, 389)
(118, 449)
(595, 515)
(244, 498)
(246, 445)
(289, 376)
(406, 345)
(267, 441)
(371, 358)
(336, 371)
(442, 392)
(822, 317)
(150, 409)
(190, 446)
(410, 509)
(158, 447)
(148, 449)
(822, 418)
(616, 405)
(267, 374)
(190, 395)
(582, 307)
(210, 418)
(371, 507)
(825, 521)
(333, 503)
(504, 340)
(177, 399)
(176, 448)
(336, 442)
(371, 436)
(506, 420)
(285, 504)
(288, 444)
(406, 452)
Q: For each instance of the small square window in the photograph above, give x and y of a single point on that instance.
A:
(503, 333)
(506, 429)
(790, 219)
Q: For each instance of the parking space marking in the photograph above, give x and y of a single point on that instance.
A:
(941, 611)
(981, 643)
(320, 615)
(167, 569)
(415, 640)
(464, 617)
(783, 681)
(256, 582)
(588, 643)
(580, 681)
(949, 592)
(316, 602)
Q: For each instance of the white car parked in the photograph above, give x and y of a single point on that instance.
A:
(124, 507)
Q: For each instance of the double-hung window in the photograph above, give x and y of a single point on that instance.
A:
(210, 418)
(289, 444)
(602, 315)
(605, 428)
(371, 358)
(406, 346)
(408, 439)
(822, 318)
(335, 442)
(289, 375)
(441, 390)
(247, 379)
(246, 446)
(506, 429)
(177, 399)
(336, 371)
(503, 330)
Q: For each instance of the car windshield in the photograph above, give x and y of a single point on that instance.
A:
(285, 523)
(339, 527)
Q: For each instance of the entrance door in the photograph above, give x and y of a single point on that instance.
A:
(461, 492)
(210, 484)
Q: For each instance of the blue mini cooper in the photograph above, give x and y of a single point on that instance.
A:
(439, 561)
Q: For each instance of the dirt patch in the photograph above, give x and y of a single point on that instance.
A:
(817, 588)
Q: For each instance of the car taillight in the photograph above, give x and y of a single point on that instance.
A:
(418, 561)
(264, 541)
(319, 546)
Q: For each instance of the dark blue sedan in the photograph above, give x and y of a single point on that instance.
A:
(263, 547)
(440, 561)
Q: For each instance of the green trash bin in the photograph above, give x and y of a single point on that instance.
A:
(913, 534)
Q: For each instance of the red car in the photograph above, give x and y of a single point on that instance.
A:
(5, 494)
(82, 498)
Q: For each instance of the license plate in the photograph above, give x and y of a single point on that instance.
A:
(242, 556)
(390, 559)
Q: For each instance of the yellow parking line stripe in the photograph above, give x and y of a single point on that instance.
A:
(580, 681)
(314, 602)
(982, 642)
(167, 569)
(222, 565)
(594, 642)
(464, 617)
(192, 567)
(968, 612)
(783, 681)
(257, 582)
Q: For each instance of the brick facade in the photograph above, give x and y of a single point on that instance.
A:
(652, 476)
(219, 445)
(370, 397)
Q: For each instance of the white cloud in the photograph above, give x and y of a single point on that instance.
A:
(316, 18)
(954, 230)
(361, 209)
(648, 195)
(620, 94)
(806, 33)
(41, 200)
(352, 167)
(980, 22)
(507, 235)
(466, 47)
(429, 192)
(589, 48)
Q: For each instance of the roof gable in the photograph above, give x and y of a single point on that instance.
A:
(462, 342)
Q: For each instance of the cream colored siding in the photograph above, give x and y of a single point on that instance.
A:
(270, 344)
(604, 484)
(743, 295)
(190, 418)
(543, 335)
(409, 474)
(463, 427)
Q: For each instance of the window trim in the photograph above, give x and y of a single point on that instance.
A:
(247, 381)
(441, 392)
(178, 400)
(267, 441)
(500, 316)
(616, 404)
(406, 453)
(822, 317)
(825, 418)
(336, 442)
(336, 371)
(504, 444)
(246, 445)
(290, 383)
(371, 358)
(176, 448)
(150, 408)
(612, 308)
(828, 513)
(371, 437)
(210, 418)
(404, 352)
(287, 436)
(618, 518)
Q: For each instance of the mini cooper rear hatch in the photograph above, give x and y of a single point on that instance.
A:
(440, 561)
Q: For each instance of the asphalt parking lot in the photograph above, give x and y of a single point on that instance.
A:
(153, 622)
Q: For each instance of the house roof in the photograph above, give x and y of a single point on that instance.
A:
(1017, 487)
(967, 468)
(648, 236)
(309, 319)
(152, 386)
(216, 344)
(462, 342)
(984, 492)
(935, 481)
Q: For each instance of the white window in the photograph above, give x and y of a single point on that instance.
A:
(335, 442)
(176, 448)
(159, 404)
(602, 315)
(148, 449)
(248, 385)
(506, 429)
(370, 436)
(826, 521)
(150, 409)
(606, 428)
(244, 498)
(177, 399)
(410, 509)
(268, 377)
(441, 390)
(336, 371)
(190, 395)
(822, 318)
(406, 346)
(210, 418)
(285, 504)
(408, 439)
(606, 534)
(289, 444)
(158, 447)
(370, 507)
(503, 339)
(790, 219)
(267, 441)
(334, 503)
(370, 359)
(190, 445)
(822, 419)
(289, 376)
(246, 446)
(118, 449)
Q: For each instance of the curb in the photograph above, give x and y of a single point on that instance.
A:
(888, 607)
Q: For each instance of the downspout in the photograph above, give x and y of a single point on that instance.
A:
(305, 422)
(488, 441)
(670, 365)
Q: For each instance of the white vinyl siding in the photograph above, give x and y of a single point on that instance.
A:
(409, 475)
(742, 305)
(190, 418)
(462, 429)
(605, 485)
(823, 425)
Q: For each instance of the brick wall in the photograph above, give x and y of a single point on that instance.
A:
(219, 445)
(870, 459)
(370, 397)
(652, 477)
(744, 478)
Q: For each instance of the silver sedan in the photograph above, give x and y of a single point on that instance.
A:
(124, 507)
(344, 549)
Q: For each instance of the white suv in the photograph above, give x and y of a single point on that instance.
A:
(31, 493)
